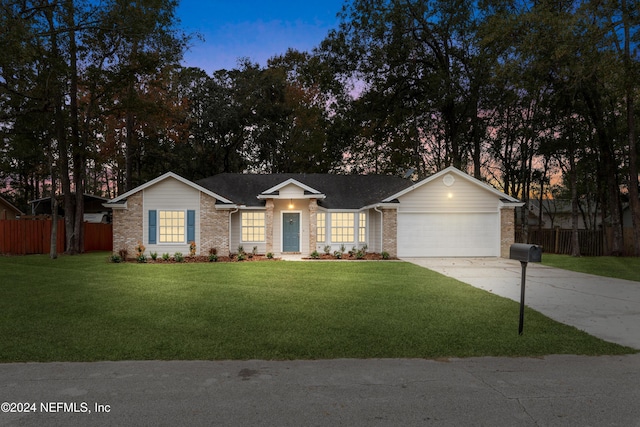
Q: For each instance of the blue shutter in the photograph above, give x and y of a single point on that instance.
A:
(152, 227)
(191, 226)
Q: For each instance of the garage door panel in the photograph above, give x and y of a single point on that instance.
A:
(448, 234)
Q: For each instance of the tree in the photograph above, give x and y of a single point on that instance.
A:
(421, 78)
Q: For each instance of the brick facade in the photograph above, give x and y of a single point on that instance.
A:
(127, 225)
(390, 232)
(313, 224)
(507, 230)
(268, 217)
(214, 226)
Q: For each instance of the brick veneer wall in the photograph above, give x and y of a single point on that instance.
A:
(127, 225)
(390, 232)
(214, 226)
(507, 230)
(269, 205)
(313, 224)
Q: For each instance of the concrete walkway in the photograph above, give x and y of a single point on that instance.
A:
(604, 307)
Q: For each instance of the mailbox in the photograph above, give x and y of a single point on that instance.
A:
(525, 253)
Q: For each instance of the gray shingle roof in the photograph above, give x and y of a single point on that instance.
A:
(342, 191)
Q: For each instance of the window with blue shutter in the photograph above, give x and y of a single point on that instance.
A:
(153, 226)
(191, 226)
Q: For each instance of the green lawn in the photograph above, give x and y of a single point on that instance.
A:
(618, 267)
(83, 308)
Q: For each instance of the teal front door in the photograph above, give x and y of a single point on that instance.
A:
(290, 232)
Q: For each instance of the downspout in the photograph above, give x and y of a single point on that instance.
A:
(375, 208)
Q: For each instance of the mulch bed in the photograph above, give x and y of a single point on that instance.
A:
(254, 258)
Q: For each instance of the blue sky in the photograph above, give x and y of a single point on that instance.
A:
(254, 29)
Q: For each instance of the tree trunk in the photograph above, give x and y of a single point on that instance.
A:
(53, 247)
(634, 200)
(575, 239)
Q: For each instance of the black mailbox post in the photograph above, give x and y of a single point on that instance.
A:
(524, 253)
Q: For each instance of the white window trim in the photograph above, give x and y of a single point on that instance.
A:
(264, 227)
(354, 227)
(184, 240)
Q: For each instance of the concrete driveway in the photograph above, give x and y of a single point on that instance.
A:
(604, 307)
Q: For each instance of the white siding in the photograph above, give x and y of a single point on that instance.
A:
(461, 196)
(291, 191)
(234, 238)
(169, 194)
(375, 231)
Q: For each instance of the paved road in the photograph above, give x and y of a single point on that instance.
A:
(550, 391)
(604, 307)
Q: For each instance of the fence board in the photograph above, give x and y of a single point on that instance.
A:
(558, 241)
(26, 237)
(98, 237)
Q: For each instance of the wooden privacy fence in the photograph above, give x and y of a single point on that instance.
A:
(26, 237)
(558, 241)
(592, 242)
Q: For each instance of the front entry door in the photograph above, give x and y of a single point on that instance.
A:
(290, 232)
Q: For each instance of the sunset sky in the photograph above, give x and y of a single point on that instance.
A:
(253, 28)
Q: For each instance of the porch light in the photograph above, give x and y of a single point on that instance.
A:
(450, 195)
(290, 204)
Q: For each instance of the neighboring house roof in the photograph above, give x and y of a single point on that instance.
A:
(8, 206)
(339, 191)
(42, 206)
(452, 170)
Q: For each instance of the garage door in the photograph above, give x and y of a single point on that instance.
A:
(448, 234)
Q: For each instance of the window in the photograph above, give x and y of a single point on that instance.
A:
(321, 226)
(171, 227)
(253, 226)
(342, 226)
(362, 228)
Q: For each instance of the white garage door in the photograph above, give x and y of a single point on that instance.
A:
(448, 234)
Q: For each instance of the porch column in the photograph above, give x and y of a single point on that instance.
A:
(313, 224)
(268, 232)
(390, 232)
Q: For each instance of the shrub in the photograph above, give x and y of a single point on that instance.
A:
(154, 255)
(315, 255)
(360, 254)
(327, 249)
(364, 248)
(270, 255)
(123, 254)
(241, 256)
(141, 259)
(342, 248)
(213, 257)
(178, 257)
(213, 251)
(140, 249)
(192, 248)
(165, 257)
(385, 255)
(337, 254)
(115, 258)
(240, 249)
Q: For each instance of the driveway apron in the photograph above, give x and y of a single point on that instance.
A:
(601, 306)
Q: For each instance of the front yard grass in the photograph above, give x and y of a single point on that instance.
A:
(83, 308)
(618, 267)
